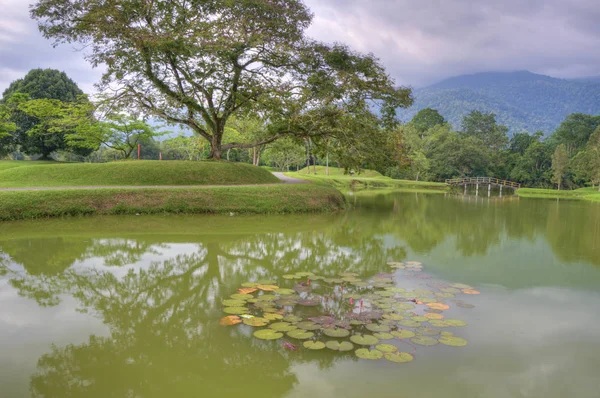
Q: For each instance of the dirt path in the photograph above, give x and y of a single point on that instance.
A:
(285, 179)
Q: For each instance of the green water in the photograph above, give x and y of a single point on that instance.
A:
(130, 307)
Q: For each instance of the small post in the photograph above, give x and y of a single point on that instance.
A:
(139, 151)
(489, 190)
(500, 190)
(160, 156)
(465, 188)
(476, 189)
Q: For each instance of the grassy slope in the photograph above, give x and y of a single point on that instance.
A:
(590, 194)
(366, 180)
(33, 174)
(250, 200)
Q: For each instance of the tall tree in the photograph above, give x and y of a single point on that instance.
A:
(199, 62)
(575, 131)
(483, 126)
(560, 161)
(7, 127)
(593, 148)
(39, 85)
(426, 119)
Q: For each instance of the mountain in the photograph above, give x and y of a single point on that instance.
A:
(521, 100)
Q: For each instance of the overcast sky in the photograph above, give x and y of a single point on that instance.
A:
(419, 41)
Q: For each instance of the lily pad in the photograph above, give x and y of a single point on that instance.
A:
(236, 310)
(456, 322)
(273, 317)
(403, 334)
(240, 296)
(314, 345)
(398, 357)
(267, 297)
(427, 300)
(445, 295)
(439, 323)
(256, 322)
(461, 286)
(453, 341)
(395, 289)
(471, 291)
(308, 325)
(365, 353)
(385, 293)
(234, 303)
(409, 323)
(373, 327)
(384, 336)
(364, 340)
(304, 274)
(465, 305)
(446, 334)
(247, 290)
(357, 322)
(438, 306)
(282, 326)
(333, 332)
(300, 334)
(290, 277)
(250, 284)
(434, 316)
(342, 346)
(428, 331)
(230, 320)
(285, 292)
(419, 318)
(267, 334)
(267, 287)
(292, 318)
(424, 340)
(386, 348)
(452, 290)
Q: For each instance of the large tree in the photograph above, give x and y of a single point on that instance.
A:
(199, 62)
(44, 87)
(483, 126)
(426, 119)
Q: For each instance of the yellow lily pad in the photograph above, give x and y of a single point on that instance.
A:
(398, 357)
(364, 340)
(386, 348)
(424, 340)
(300, 334)
(267, 334)
(453, 341)
(365, 353)
(256, 322)
(403, 334)
(314, 345)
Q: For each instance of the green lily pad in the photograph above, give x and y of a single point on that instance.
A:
(264, 282)
(461, 286)
(395, 289)
(386, 348)
(419, 318)
(267, 334)
(446, 334)
(290, 277)
(256, 322)
(348, 274)
(373, 327)
(409, 323)
(304, 274)
(282, 326)
(427, 331)
(384, 336)
(453, 341)
(300, 334)
(351, 279)
(452, 290)
(287, 303)
(308, 325)
(360, 284)
(365, 353)
(314, 345)
(364, 340)
(239, 296)
(234, 303)
(267, 297)
(445, 295)
(236, 310)
(398, 357)
(393, 317)
(273, 317)
(387, 322)
(253, 300)
(427, 300)
(455, 322)
(250, 284)
(356, 322)
(340, 346)
(333, 332)
(439, 323)
(285, 292)
(403, 334)
(424, 340)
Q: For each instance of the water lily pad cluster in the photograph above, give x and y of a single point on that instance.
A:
(377, 318)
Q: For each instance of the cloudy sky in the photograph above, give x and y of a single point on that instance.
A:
(420, 41)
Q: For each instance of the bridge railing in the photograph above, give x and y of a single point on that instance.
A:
(483, 180)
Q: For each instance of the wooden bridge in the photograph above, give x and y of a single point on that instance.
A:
(489, 181)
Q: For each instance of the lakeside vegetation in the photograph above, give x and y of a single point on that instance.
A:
(588, 194)
(18, 205)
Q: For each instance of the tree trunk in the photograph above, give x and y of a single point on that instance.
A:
(216, 148)
(315, 164)
(417, 177)
(229, 150)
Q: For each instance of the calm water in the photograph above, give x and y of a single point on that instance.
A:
(130, 307)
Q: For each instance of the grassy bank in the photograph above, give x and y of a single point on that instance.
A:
(368, 179)
(21, 174)
(589, 194)
(16, 205)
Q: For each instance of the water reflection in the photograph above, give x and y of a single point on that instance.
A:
(155, 285)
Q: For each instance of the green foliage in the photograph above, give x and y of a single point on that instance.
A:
(40, 93)
(483, 127)
(199, 64)
(285, 153)
(183, 148)
(560, 162)
(426, 119)
(575, 131)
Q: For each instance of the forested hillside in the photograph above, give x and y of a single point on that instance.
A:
(521, 100)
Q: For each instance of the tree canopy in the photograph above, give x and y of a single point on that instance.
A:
(200, 62)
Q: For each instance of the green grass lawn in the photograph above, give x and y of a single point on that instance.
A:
(21, 174)
(19, 205)
(368, 179)
(590, 194)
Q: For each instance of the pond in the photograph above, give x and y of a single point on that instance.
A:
(133, 306)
